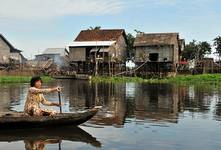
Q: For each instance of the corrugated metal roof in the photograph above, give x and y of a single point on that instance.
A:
(100, 49)
(93, 50)
(92, 43)
(104, 50)
(60, 51)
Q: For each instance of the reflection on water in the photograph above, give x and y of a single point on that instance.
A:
(39, 138)
(170, 114)
(39, 144)
(11, 95)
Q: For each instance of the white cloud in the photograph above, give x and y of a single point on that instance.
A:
(44, 9)
(181, 3)
(35, 9)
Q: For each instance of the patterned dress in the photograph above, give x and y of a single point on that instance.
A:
(35, 97)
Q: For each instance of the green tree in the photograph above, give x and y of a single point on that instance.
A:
(190, 50)
(130, 45)
(217, 44)
(196, 50)
(204, 48)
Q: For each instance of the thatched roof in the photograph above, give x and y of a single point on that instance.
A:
(100, 35)
(156, 39)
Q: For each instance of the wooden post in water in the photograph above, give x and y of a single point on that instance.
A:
(59, 145)
(59, 96)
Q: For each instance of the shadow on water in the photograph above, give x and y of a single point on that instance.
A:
(39, 138)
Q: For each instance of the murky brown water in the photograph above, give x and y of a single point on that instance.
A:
(135, 116)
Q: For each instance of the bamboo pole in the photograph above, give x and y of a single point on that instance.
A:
(59, 96)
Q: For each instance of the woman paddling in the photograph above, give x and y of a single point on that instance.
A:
(35, 97)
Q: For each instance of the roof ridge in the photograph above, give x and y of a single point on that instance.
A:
(101, 29)
(158, 33)
(57, 48)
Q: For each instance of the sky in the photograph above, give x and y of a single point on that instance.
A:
(34, 25)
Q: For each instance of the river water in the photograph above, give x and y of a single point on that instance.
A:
(134, 117)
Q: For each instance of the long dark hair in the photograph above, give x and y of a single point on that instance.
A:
(35, 79)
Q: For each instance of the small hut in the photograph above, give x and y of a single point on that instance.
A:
(57, 55)
(98, 51)
(159, 51)
(9, 54)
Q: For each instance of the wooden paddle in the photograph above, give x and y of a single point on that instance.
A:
(59, 145)
(59, 96)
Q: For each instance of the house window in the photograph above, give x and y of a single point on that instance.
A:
(153, 56)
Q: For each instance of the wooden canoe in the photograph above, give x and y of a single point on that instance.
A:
(21, 120)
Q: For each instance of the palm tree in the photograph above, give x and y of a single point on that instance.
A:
(94, 28)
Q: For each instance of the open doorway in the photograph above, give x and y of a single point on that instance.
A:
(154, 56)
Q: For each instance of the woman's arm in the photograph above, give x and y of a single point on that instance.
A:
(48, 103)
(42, 91)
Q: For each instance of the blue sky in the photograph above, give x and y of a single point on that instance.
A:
(34, 25)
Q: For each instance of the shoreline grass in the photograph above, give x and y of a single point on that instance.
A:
(21, 79)
(182, 79)
(185, 79)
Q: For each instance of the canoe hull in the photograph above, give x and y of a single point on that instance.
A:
(20, 120)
